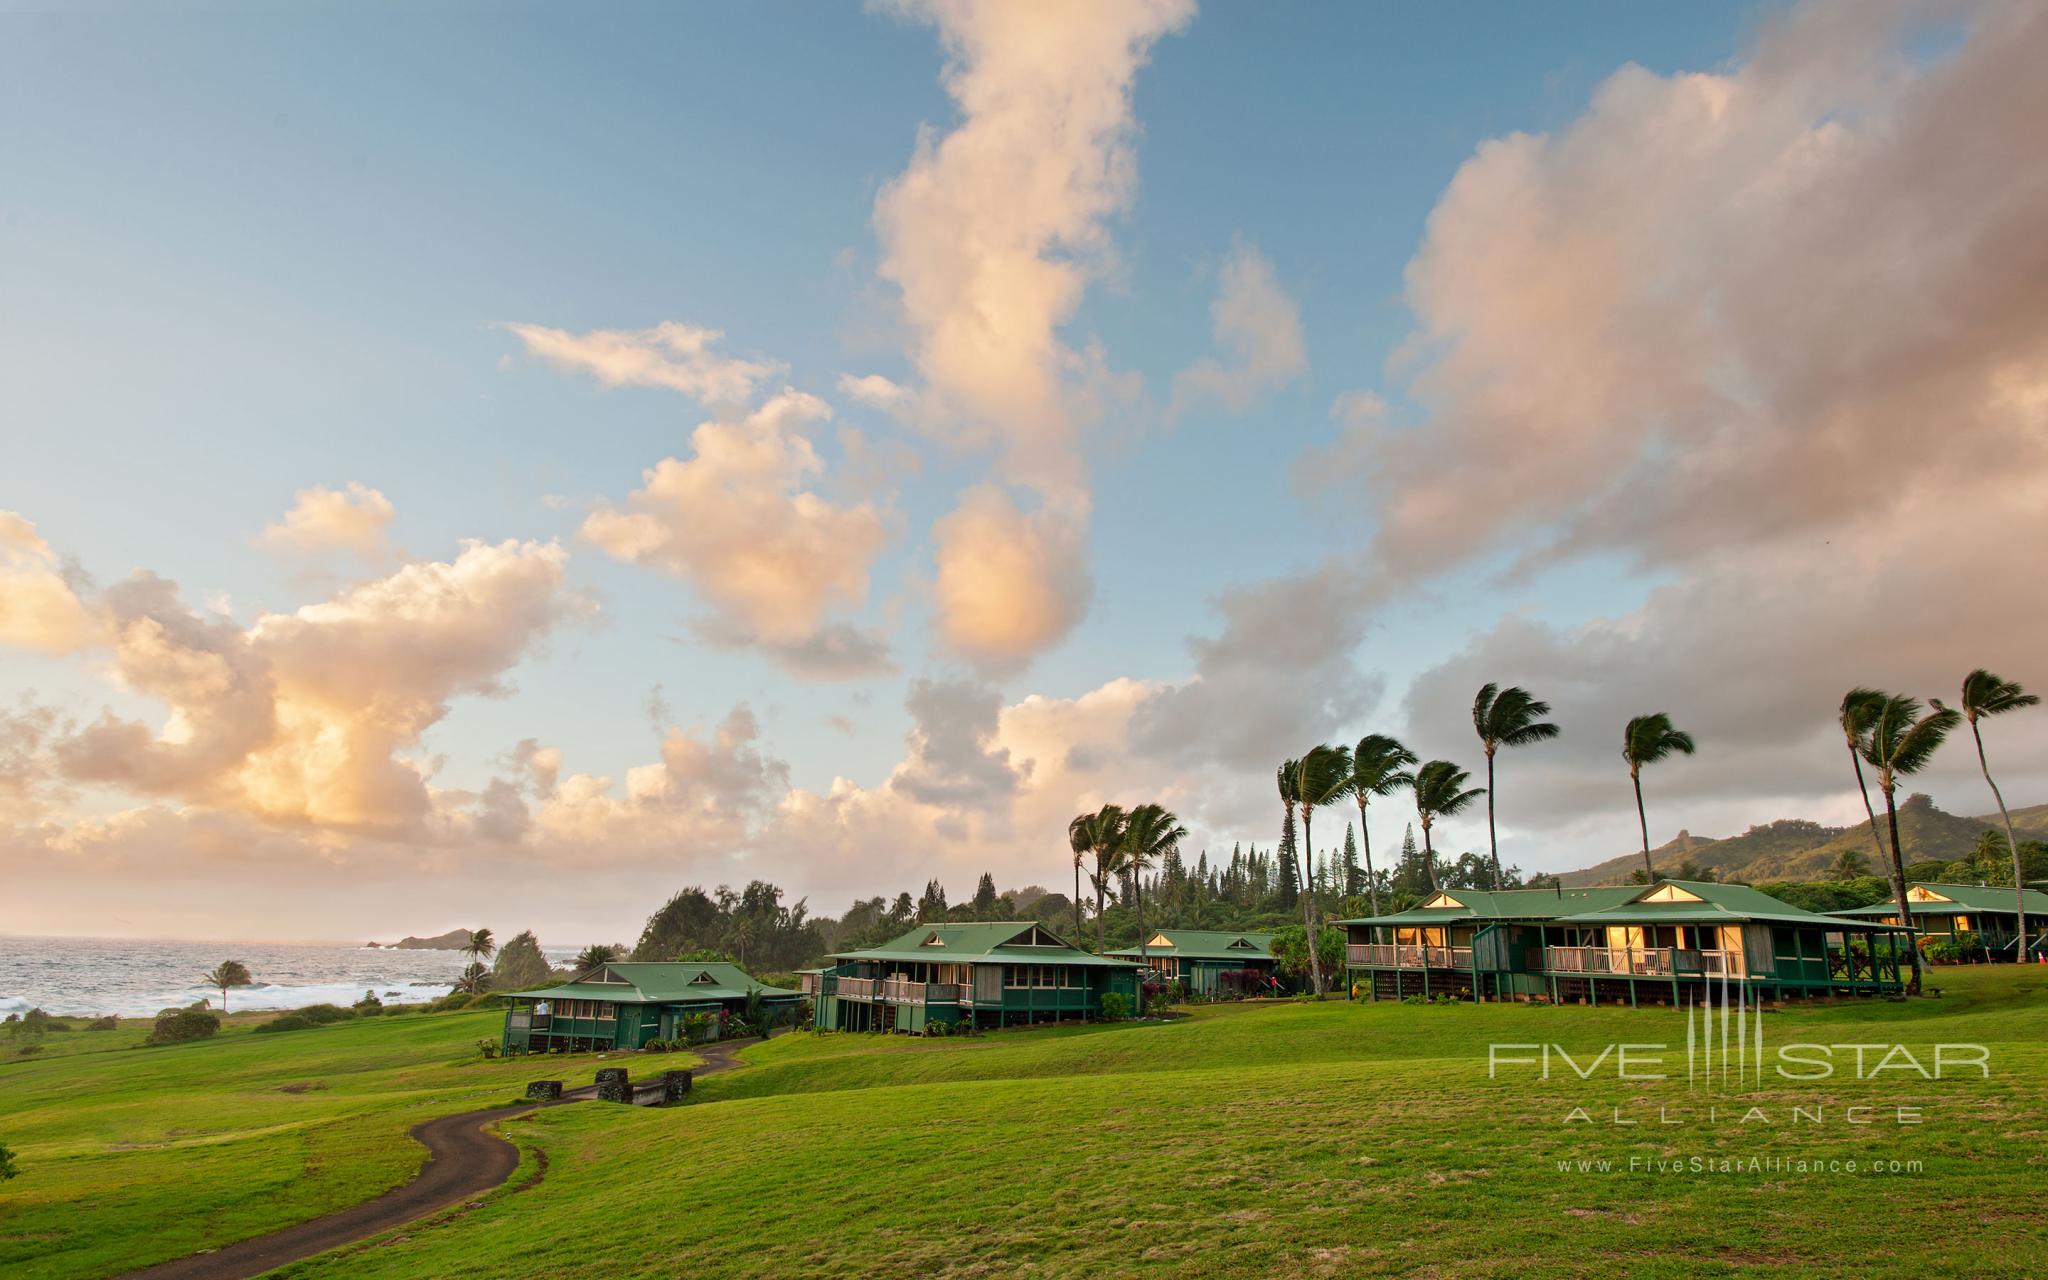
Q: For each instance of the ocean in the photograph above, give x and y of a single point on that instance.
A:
(136, 978)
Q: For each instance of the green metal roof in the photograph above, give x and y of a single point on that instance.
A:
(661, 982)
(1961, 898)
(1207, 944)
(1504, 904)
(1717, 904)
(1009, 942)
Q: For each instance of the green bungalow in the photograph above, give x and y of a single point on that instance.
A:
(1675, 942)
(1951, 910)
(625, 1004)
(1207, 961)
(984, 975)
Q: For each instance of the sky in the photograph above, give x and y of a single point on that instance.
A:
(503, 465)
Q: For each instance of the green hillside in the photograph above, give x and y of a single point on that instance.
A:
(1797, 849)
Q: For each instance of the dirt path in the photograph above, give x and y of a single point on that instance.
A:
(465, 1158)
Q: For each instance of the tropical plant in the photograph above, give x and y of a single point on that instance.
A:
(1506, 718)
(475, 979)
(1646, 740)
(1151, 832)
(481, 946)
(1104, 835)
(1849, 865)
(1900, 744)
(1985, 694)
(1115, 1006)
(1380, 766)
(1321, 777)
(1080, 841)
(595, 956)
(1289, 949)
(229, 973)
(1440, 792)
(1858, 712)
(175, 1025)
(7, 1165)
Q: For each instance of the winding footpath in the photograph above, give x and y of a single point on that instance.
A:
(465, 1158)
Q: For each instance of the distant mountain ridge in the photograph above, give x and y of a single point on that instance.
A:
(1799, 849)
(453, 940)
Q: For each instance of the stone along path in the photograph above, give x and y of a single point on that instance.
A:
(465, 1158)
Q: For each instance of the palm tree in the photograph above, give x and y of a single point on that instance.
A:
(595, 956)
(1646, 740)
(1150, 833)
(482, 946)
(1859, 711)
(1440, 793)
(228, 973)
(1985, 694)
(475, 979)
(1321, 777)
(740, 934)
(1849, 864)
(1080, 836)
(1379, 767)
(1506, 718)
(1099, 835)
(1901, 742)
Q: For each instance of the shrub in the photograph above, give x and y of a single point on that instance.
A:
(108, 1023)
(294, 1021)
(324, 1013)
(938, 1027)
(174, 1026)
(7, 1169)
(28, 1051)
(1942, 951)
(368, 1004)
(488, 1048)
(1116, 1006)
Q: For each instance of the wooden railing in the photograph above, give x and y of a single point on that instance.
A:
(899, 991)
(1653, 962)
(1386, 955)
(810, 983)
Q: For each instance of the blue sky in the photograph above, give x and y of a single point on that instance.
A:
(250, 253)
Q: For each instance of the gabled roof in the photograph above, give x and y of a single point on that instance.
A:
(1011, 942)
(1205, 944)
(1704, 902)
(660, 982)
(1452, 906)
(1929, 898)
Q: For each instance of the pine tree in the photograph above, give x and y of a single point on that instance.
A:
(985, 897)
(932, 906)
(1290, 879)
(1354, 877)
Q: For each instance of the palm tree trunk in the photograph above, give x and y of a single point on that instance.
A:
(2019, 883)
(1891, 813)
(1077, 899)
(223, 997)
(1372, 892)
(1492, 844)
(1099, 944)
(1144, 955)
(1308, 898)
(1635, 775)
(1864, 787)
(1429, 859)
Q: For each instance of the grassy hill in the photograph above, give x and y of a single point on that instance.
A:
(1797, 849)
(1331, 1139)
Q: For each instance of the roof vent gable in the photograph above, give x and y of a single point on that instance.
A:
(1668, 892)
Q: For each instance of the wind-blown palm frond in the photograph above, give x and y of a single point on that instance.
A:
(1646, 740)
(1900, 743)
(1651, 738)
(1440, 791)
(1985, 694)
(1322, 776)
(1510, 718)
(1505, 718)
(1902, 740)
(1379, 767)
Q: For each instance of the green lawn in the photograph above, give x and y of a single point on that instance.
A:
(132, 1155)
(1291, 1139)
